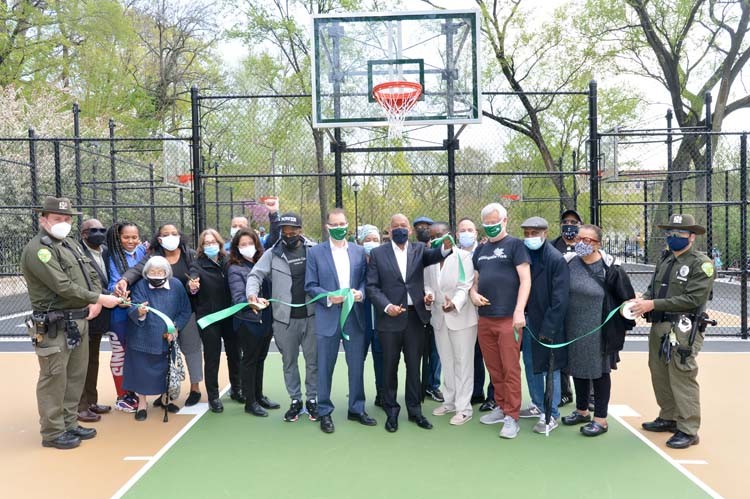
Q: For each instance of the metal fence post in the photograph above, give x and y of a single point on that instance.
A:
(77, 157)
(33, 179)
(575, 181)
(670, 161)
(743, 236)
(338, 180)
(645, 221)
(152, 198)
(216, 193)
(198, 223)
(58, 169)
(113, 168)
(593, 155)
(709, 176)
(726, 218)
(452, 145)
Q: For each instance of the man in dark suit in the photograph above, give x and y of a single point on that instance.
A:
(395, 285)
(92, 244)
(336, 264)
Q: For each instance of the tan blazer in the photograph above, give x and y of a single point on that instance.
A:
(442, 282)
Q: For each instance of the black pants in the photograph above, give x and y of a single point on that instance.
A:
(602, 390)
(411, 342)
(254, 343)
(211, 338)
(90, 396)
(479, 376)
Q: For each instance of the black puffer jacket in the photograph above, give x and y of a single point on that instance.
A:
(213, 294)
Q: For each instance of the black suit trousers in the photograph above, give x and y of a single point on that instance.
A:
(411, 342)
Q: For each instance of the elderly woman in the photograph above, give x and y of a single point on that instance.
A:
(369, 238)
(210, 291)
(598, 284)
(146, 358)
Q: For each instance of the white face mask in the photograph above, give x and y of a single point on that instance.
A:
(248, 252)
(170, 243)
(233, 231)
(60, 230)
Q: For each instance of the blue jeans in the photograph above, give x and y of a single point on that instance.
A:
(433, 364)
(536, 382)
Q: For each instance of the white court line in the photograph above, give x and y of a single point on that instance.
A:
(697, 481)
(691, 461)
(137, 458)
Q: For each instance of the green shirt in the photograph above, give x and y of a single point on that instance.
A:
(54, 274)
(689, 285)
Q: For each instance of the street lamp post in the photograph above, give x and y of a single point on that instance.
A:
(355, 188)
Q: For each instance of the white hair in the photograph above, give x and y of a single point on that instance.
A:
(157, 262)
(494, 207)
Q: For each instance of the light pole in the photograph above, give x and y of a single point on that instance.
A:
(355, 188)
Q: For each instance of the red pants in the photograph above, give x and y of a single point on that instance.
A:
(501, 354)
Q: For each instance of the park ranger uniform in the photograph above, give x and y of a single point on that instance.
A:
(680, 288)
(61, 284)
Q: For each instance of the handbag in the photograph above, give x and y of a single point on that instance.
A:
(176, 373)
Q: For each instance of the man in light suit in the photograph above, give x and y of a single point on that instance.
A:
(454, 319)
(336, 264)
(395, 285)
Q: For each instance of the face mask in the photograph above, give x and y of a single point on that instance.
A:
(290, 241)
(677, 243)
(233, 231)
(338, 233)
(400, 235)
(583, 249)
(493, 230)
(60, 230)
(533, 243)
(467, 239)
(156, 282)
(569, 231)
(248, 252)
(131, 253)
(96, 239)
(369, 245)
(423, 235)
(211, 251)
(170, 243)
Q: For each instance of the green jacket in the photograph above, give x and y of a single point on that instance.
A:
(690, 285)
(58, 275)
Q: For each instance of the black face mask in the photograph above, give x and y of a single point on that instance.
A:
(157, 282)
(291, 241)
(423, 235)
(95, 239)
(569, 231)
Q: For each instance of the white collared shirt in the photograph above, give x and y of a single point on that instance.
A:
(341, 262)
(401, 260)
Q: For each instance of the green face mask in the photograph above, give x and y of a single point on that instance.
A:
(493, 230)
(338, 233)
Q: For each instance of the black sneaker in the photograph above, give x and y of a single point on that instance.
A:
(435, 394)
(312, 409)
(565, 399)
(293, 413)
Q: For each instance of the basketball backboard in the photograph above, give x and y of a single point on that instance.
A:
(354, 52)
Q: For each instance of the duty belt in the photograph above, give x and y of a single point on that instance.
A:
(69, 314)
(674, 316)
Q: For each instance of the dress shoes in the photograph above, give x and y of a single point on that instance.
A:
(326, 424)
(140, 415)
(682, 440)
(237, 396)
(660, 425)
(82, 433)
(87, 416)
(193, 398)
(256, 410)
(364, 418)
(421, 421)
(391, 424)
(64, 441)
(100, 409)
(215, 405)
(575, 418)
(170, 407)
(266, 403)
(593, 429)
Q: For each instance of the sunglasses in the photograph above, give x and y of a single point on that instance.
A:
(96, 231)
(586, 240)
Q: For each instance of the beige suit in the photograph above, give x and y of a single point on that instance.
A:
(455, 331)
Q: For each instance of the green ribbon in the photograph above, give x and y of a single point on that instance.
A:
(346, 308)
(561, 345)
(170, 325)
(437, 242)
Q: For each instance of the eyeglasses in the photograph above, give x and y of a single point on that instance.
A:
(587, 240)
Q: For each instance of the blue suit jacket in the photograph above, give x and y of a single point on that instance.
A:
(321, 277)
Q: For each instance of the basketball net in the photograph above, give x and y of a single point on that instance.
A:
(396, 98)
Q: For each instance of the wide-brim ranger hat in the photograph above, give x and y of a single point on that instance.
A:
(61, 206)
(683, 222)
(291, 219)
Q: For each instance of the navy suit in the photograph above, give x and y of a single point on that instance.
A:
(405, 331)
(321, 277)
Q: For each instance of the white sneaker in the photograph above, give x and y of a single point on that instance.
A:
(442, 410)
(510, 428)
(460, 419)
(530, 412)
(541, 426)
(495, 416)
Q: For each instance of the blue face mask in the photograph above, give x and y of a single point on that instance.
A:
(369, 246)
(467, 239)
(533, 243)
(400, 235)
(677, 243)
(211, 251)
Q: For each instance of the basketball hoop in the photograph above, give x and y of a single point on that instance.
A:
(507, 199)
(185, 178)
(396, 98)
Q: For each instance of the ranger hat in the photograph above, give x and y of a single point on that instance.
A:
(535, 223)
(61, 206)
(422, 220)
(291, 219)
(683, 222)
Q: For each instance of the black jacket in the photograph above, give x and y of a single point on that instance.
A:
(237, 278)
(213, 294)
(99, 324)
